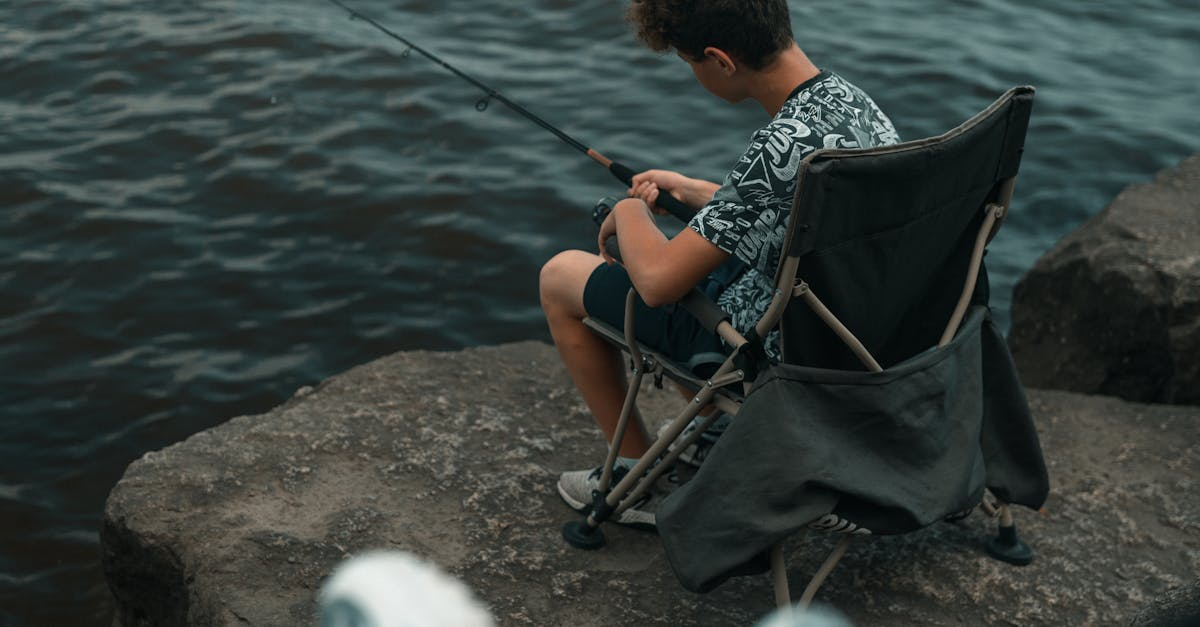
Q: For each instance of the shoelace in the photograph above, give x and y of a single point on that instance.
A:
(619, 473)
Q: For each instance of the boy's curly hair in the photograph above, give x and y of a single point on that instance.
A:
(753, 31)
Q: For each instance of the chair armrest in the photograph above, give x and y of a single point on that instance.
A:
(704, 310)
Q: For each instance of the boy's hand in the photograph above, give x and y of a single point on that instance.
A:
(649, 184)
(607, 229)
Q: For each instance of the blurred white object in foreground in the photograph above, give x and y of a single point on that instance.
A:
(394, 589)
(816, 616)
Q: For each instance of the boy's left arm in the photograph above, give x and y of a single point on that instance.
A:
(662, 270)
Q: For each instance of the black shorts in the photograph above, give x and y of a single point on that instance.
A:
(668, 330)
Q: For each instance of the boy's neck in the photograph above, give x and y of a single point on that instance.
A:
(772, 85)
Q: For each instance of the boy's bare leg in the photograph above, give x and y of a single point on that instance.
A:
(595, 366)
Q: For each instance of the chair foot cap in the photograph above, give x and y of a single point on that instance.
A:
(580, 535)
(1008, 547)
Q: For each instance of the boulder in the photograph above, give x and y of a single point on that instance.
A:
(453, 457)
(1114, 308)
(1178, 607)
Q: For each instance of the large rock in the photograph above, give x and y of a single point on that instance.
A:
(453, 456)
(1178, 607)
(1114, 308)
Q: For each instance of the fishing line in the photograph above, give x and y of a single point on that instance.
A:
(623, 172)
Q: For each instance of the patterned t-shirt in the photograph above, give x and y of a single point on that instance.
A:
(748, 215)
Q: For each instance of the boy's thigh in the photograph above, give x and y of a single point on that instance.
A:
(669, 330)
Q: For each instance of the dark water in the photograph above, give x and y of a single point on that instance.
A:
(207, 205)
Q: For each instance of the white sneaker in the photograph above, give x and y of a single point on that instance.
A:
(576, 487)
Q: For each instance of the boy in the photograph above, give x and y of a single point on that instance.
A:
(737, 49)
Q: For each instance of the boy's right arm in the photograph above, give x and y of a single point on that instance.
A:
(694, 193)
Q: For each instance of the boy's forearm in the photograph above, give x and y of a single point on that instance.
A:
(661, 270)
(637, 233)
(641, 245)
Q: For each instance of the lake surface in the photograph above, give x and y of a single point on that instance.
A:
(207, 205)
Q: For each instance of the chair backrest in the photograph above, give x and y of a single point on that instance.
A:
(884, 236)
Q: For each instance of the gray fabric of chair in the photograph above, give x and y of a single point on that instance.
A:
(889, 451)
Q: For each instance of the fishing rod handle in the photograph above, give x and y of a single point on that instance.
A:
(603, 207)
(666, 201)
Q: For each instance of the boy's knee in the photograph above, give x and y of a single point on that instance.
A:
(564, 275)
(553, 272)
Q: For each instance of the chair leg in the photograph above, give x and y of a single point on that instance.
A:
(1007, 546)
(586, 534)
(667, 459)
(646, 467)
(627, 409)
(583, 534)
(608, 499)
(835, 556)
(783, 597)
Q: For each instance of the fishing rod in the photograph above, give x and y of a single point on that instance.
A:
(623, 172)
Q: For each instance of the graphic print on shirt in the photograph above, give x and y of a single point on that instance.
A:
(748, 215)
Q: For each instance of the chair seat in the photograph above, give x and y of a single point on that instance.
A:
(672, 369)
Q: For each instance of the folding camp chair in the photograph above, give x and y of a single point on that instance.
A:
(895, 404)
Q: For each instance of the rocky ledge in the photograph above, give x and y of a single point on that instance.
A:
(453, 456)
(1114, 308)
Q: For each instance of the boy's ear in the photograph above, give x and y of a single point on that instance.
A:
(723, 60)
